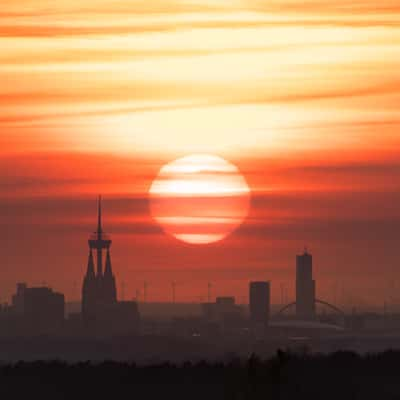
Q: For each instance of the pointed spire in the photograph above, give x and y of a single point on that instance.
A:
(109, 286)
(90, 268)
(108, 269)
(99, 222)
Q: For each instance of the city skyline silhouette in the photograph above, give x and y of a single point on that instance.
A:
(199, 199)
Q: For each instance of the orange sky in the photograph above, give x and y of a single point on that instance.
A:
(304, 98)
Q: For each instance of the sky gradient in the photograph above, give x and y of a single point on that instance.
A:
(303, 97)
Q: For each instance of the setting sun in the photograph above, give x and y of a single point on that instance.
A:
(199, 198)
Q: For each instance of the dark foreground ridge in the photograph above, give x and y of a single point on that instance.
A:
(341, 375)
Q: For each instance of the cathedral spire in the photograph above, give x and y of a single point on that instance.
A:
(89, 282)
(99, 289)
(90, 268)
(109, 287)
(108, 269)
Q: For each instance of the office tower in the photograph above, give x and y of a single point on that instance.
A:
(305, 287)
(259, 303)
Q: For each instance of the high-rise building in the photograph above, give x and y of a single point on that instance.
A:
(305, 287)
(99, 289)
(259, 303)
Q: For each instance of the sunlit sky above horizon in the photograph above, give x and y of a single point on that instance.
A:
(182, 76)
(303, 98)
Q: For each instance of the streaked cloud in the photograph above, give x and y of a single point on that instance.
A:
(302, 96)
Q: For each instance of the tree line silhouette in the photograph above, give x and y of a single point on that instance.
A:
(340, 375)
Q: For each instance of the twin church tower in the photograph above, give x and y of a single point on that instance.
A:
(99, 291)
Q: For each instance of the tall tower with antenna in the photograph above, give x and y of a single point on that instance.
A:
(99, 287)
(305, 286)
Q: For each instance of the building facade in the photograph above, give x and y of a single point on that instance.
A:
(259, 303)
(39, 309)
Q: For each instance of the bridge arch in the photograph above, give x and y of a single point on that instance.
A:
(331, 306)
(325, 303)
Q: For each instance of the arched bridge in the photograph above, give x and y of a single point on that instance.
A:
(325, 303)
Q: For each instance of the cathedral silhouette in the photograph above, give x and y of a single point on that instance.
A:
(99, 291)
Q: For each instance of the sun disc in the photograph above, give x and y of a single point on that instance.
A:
(200, 198)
